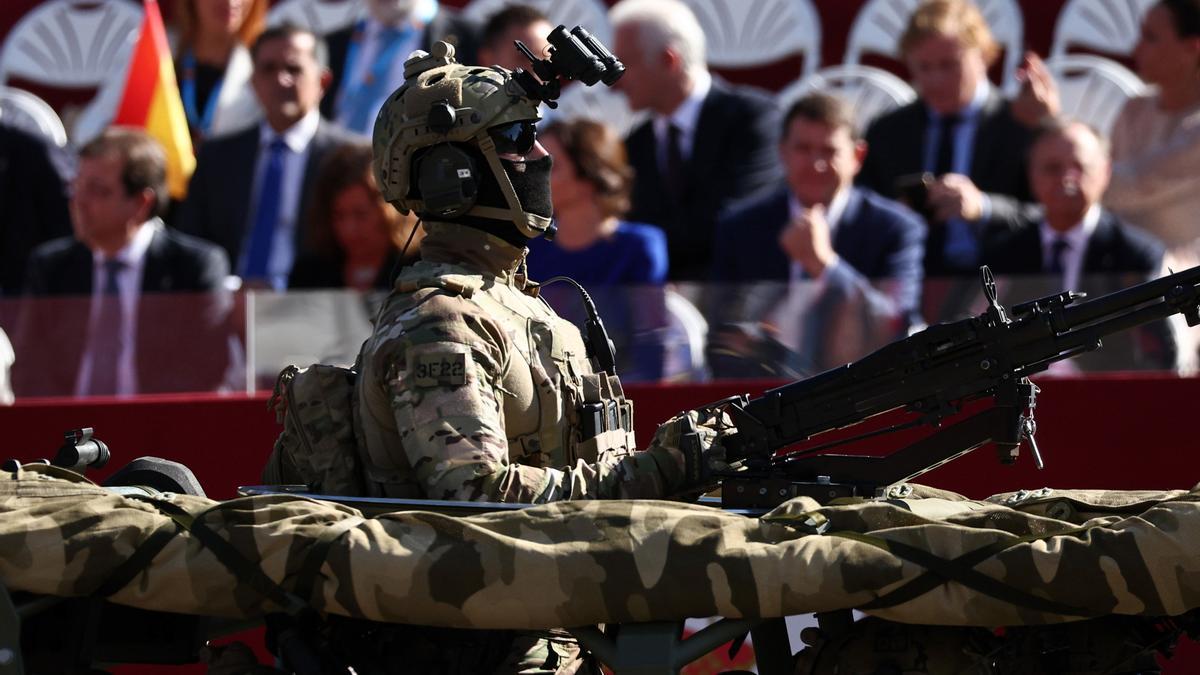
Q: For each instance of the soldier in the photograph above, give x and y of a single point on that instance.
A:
(471, 388)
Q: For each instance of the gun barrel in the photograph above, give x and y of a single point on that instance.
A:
(935, 370)
(1091, 310)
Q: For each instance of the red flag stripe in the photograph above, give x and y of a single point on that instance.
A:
(143, 72)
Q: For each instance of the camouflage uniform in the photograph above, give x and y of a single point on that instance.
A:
(471, 389)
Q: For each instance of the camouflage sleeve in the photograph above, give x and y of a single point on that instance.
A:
(443, 383)
(449, 415)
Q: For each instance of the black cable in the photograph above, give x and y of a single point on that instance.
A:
(404, 250)
(599, 346)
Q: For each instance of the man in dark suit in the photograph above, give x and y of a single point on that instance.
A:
(960, 148)
(368, 58)
(249, 193)
(818, 228)
(706, 143)
(33, 199)
(1073, 242)
(98, 320)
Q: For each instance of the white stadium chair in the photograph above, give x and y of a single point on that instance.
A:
(1093, 89)
(880, 23)
(1108, 26)
(320, 16)
(741, 33)
(69, 43)
(591, 14)
(7, 357)
(686, 337)
(598, 103)
(27, 112)
(869, 91)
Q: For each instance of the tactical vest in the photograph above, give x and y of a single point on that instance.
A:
(556, 409)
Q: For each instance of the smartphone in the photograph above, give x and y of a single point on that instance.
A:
(913, 190)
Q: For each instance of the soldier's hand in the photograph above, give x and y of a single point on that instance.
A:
(955, 196)
(691, 444)
(1038, 97)
(806, 240)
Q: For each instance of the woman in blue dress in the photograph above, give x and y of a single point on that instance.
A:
(622, 264)
(590, 184)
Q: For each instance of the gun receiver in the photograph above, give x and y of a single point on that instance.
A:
(931, 373)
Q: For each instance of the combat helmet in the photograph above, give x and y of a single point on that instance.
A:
(424, 126)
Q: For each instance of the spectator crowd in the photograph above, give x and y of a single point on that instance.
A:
(815, 233)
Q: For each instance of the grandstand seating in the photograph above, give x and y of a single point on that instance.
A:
(1106, 26)
(742, 34)
(319, 16)
(26, 111)
(68, 43)
(1093, 88)
(869, 91)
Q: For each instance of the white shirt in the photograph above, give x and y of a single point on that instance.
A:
(297, 138)
(833, 216)
(129, 289)
(685, 118)
(1077, 239)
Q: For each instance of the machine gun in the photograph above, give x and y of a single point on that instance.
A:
(931, 374)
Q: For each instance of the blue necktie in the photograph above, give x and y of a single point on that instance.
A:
(266, 215)
(108, 338)
(961, 249)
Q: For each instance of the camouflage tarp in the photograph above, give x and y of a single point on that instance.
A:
(1046, 556)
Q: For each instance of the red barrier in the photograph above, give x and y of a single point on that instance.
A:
(1114, 431)
(1099, 432)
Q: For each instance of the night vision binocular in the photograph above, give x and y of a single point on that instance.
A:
(574, 55)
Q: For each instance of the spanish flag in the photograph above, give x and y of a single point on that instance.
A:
(151, 100)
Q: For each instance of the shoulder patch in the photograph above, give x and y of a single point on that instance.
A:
(447, 369)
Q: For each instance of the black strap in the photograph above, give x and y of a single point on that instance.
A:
(310, 569)
(229, 556)
(140, 560)
(951, 570)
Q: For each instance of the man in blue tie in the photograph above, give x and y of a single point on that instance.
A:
(368, 57)
(249, 191)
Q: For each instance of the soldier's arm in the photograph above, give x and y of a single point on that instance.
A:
(449, 413)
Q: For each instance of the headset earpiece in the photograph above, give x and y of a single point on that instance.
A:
(448, 180)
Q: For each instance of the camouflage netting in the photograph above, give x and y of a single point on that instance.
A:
(1046, 556)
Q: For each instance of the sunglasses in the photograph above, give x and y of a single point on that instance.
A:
(515, 138)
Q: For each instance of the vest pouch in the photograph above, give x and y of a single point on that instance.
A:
(317, 447)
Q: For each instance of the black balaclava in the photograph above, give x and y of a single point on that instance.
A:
(532, 185)
(530, 181)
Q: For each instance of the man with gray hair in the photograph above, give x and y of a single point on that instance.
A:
(1075, 243)
(706, 143)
